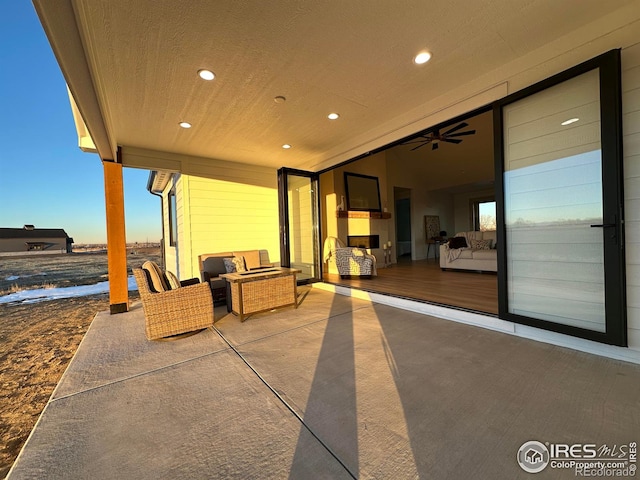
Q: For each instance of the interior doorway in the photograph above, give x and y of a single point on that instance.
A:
(402, 201)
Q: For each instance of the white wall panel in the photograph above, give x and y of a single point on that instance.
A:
(631, 152)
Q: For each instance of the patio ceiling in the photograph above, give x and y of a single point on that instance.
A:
(132, 69)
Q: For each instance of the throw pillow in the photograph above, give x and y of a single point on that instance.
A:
(238, 262)
(229, 266)
(481, 244)
(457, 242)
(173, 280)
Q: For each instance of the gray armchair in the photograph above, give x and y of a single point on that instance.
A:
(349, 261)
(355, 262)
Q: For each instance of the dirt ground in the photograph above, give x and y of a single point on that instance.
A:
(37, 342)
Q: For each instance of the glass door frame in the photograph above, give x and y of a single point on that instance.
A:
(285, 226)
(609, 67)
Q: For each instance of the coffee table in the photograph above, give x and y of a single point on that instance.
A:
(261, 290)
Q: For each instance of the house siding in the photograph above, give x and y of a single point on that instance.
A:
(631, 152)
(221, 206)
(19, 245)
(15, 241)
(230, 216)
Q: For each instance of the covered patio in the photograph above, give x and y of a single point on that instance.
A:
(342, 387)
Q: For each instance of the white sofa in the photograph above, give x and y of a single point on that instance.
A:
(469, 258)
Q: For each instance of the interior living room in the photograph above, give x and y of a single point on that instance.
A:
(431, 186)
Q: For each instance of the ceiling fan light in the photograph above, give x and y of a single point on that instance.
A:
(422, 57)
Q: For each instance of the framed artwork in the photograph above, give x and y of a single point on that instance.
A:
(363, 192)
(431, 227)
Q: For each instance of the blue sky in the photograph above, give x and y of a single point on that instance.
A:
(45, 179)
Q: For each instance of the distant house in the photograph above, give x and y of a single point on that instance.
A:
(29, 239)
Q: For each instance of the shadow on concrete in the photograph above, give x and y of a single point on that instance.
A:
(331, 406)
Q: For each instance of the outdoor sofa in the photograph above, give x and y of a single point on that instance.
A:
(212, 265)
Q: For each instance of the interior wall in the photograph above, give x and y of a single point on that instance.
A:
(430, 203)
(463, 220)
(332, 191)
(423, 202)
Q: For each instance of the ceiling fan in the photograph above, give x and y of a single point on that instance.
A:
(435, 137)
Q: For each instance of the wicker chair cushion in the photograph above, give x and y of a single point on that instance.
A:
(173, 280)
(158, 281)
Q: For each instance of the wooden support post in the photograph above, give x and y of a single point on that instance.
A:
(116, 237)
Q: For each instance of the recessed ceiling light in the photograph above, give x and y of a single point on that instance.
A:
(333, 116)
(422, 57)
(279, 99)
(570, 121)
(185, 124)
(286, 146)
(206, 74)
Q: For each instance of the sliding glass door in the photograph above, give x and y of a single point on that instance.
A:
(559, 159)
(299, 231)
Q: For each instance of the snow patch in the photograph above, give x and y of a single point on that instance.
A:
(44, 294)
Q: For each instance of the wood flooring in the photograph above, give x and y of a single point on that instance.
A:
(424, 280)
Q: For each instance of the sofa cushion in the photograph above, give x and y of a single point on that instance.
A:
(251, 258)
(485, 254)
(216, 283)
(214, 265)
(465, 254)
(158, 281)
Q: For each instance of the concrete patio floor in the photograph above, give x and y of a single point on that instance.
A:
(338, 388)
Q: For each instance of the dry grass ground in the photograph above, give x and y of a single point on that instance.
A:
(37, 341)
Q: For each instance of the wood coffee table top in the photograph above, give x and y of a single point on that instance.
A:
(259, 274)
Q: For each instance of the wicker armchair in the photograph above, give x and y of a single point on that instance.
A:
(171, 312)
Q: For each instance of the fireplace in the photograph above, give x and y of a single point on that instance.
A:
(363, 241)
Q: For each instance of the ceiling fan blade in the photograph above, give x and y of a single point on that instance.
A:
(425, 143)
(460, 126)
(434, 147)
(460, 134)
(452, 140)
